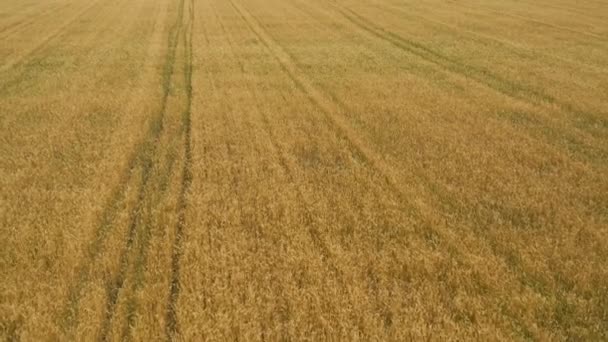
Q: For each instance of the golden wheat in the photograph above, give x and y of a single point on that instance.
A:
(303, 170)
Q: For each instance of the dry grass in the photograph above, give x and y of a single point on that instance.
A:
(268, 169)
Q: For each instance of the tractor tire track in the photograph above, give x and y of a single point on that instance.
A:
(171, 325)
(517, 49)
(480, 75)
(313, 230)
(152, 194)
(581, 141)
(420, 211)
(312, 225)
(186, 177)
(443, 196)
(439, 194)
(117, 283)
(328, 106)
(132, 259)
(139, 159)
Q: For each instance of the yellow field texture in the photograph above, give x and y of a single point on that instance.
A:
(303, 170)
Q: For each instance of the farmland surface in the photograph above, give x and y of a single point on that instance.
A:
(303, 170)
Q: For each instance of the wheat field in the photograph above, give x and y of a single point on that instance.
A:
(303, 170)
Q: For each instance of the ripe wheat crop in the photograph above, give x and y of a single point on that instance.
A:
(303, 170)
